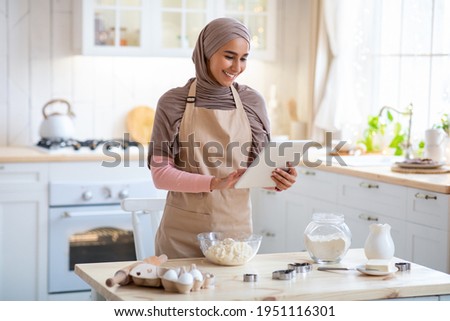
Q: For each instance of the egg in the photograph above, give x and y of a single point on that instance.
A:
(171, 275)
(186, 278)
(196, 274)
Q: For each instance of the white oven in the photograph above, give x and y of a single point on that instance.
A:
(86, 225)
(85, 221)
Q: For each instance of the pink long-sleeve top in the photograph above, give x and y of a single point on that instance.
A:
(167, 176)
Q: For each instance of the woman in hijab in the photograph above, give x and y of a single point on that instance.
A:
(205, 133)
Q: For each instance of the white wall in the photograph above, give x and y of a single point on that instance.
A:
(37, 64)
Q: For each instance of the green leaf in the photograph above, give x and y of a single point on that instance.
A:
(397, 128)
(389, 116)
(373, 122)
(398, 151)
(396, 141)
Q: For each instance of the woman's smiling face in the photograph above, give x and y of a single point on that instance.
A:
(229, 61)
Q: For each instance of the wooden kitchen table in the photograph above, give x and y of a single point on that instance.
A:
(419, 282)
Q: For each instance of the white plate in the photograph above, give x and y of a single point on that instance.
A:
(418, 166)
(362, 269)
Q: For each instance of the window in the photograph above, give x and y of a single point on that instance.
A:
(389, 52)
(412, 59)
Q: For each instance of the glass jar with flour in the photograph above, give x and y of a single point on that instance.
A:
(327, 238)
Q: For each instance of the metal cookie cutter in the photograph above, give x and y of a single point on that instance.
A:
(300, 267)
(248, 277)
(403, 266)
(283, 274)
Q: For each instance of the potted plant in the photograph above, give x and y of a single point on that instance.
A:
(444, 124)
(379, 129)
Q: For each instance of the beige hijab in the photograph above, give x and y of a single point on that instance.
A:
(209, 94)
(215, 35)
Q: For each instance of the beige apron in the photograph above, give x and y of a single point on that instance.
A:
(188, 214)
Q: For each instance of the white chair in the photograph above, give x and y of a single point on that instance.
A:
(144, 206)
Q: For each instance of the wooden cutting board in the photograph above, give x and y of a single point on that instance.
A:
(140, 123)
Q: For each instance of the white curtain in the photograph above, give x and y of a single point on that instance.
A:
(341, 77)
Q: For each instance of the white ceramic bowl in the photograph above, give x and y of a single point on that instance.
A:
(229, 248)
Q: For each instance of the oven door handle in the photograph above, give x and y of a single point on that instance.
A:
(75, 214)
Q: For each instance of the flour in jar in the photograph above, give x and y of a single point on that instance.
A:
(229, 252)
(327, 248)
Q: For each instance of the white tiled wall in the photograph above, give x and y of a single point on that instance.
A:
(37, 64)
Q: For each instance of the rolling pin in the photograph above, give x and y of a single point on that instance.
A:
(122, 276)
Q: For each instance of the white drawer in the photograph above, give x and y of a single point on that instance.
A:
(317, 184)
(359, 222)
(381, 198)
(428, 208)
(20, 177)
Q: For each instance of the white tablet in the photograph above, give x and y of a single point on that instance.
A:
(273, 155)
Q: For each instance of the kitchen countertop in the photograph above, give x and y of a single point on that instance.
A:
(439, 183)
(38, 155)
(378, 167)
(316, 285)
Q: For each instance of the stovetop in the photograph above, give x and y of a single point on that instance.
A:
(90, 144)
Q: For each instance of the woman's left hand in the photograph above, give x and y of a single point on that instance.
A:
(284, 178)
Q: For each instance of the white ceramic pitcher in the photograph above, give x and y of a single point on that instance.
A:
(435, 140)
(379, 243)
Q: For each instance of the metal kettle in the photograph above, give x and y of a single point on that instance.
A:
(56, 126)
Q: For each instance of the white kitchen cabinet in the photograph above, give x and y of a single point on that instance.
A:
(269, 219)
(165, 27)
(419, 219)
(428, 229)
(23, 231)
(112, 27)
(428, 246)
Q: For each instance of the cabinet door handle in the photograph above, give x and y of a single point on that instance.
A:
(309, 173)
(367, 217)
(270, 192)
(75, 214)
(2, 167)
(425, 196)
(368, 185)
